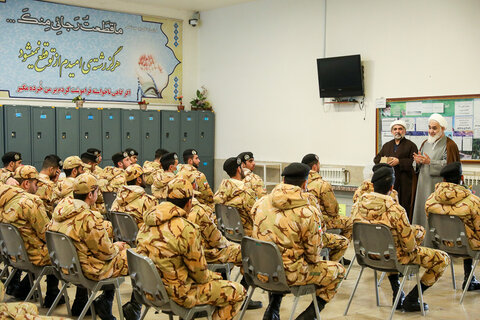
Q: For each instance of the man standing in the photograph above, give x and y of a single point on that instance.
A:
(435, 152)
(11, 161)
(399, 154)
(252, 180)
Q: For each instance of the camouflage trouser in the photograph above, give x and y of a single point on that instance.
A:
(419, 236)
(232, 253)
(340, 222)
(116, 267)
(434, 261)
(336, 243)
(22, 311)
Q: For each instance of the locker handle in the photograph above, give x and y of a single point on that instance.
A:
(185, 134)
(39, 135)
(14, 134)
(202, 134)
(147, 135)
(167, 134)
(185, 137)
(86, 135)
(107, 135)
(128, 135)
(64, 135)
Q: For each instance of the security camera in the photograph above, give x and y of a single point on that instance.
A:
(193, 22)
(194, 19)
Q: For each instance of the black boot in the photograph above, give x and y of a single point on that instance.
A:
(52, 292)
(467, 268)
(14, 283)
(252, 304)
(273, 308)
(81, 298)
(21, 292)
(395, 284)
(309, 313)
(132, 309)
(412, 303)
(345, 261)
(103, 305)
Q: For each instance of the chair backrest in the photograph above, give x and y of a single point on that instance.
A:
(263, 265)
(108, 198)
(13, 247)
(148, 189)
(146, 280)
(448, 234)
(375, 247)
(124, 227)
(64, 258)
(229, 222)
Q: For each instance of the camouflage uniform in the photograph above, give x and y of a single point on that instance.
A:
(190, 173)
(134, 201)
(174, 245)
(322, 190)
(4, 175)
(150, 168)
(254, 182)
(46, 192)
(216, 247)
(286, 218)
(64, 188)
(455, 200)
(233, 193)
(115, 179)
(377, 208)
(160, 182)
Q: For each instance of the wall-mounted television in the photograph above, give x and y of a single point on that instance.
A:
(340, 76)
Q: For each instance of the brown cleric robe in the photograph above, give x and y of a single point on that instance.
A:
(403, 171)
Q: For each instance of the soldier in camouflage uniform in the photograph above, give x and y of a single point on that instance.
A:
(232, 192)
(151, 168)
(73, 166)
(161, 179)
(52, 164)
(11, 161)
(322, 190)
(133, 154)
(379, 208)
(287, 218)
(452, 198)
(189, 171)
(99, 257)
(90, 160)
(115, 176)
(132, 198)
(174, 245)
(97, 171)
(252, 180)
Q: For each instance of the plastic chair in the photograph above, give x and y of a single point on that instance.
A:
(108, 198)
(229, 222)
(64, 257)
(262, 258)
(338, 231)
(147, 280)
(13, 250)
(375, 249)
(449, 235)
(124, 227)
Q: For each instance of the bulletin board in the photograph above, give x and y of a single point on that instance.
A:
(461, 112)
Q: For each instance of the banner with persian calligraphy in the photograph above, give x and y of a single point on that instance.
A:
(56, 51)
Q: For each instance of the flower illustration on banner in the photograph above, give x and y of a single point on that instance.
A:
(152, 77)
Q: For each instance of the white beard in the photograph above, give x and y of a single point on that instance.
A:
(433, 139)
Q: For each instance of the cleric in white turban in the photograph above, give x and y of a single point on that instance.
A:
(399, 154)
(435, 153)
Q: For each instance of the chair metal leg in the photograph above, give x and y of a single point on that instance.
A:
(295, 302)
(91, 297)
(420, 294)
(36, 285)
(57, 299)
(119, 300)
(315, 303)
(353, 292)
(10, 277)
(144, 313)
(350, 267)
(381, 279)
(245, 305)
(470, 276)
(376, 287)
(399, 293)
(453, 274)
(237, 277)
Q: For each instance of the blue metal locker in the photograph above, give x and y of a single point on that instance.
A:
(90, 129)
(170, 129)
(188, 130)
(18, 131)
(150, 125)
(131, 131)
(43, 134)
(206, 166)
(2, 136)
(68, 129)
(111, 135)
(206, 133)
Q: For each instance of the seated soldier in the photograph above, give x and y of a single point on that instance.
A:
(133, 154)
(252, 180)
(91, 161)
(150, 168)
(132, 198)
(11, 161)
(379, 208)
(96, 170)
(286, 218)
(52, 164)
(161, 179)
(174, 245)
(367, 185)
(20, 207)
(99, 257)
(115, 176)
(451, 197)
(73, 166)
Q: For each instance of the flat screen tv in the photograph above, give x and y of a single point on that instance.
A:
(340, 76)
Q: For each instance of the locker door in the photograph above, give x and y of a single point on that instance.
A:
(188, 130)
(131, 131)
(68, 126)
(111, 135)
(43, 134)
(206, 133)
(150, 133)
(18, 131)
(90, 129)
(206, 166)
(2, 136)
(171, 131)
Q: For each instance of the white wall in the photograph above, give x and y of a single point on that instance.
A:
(258, 61)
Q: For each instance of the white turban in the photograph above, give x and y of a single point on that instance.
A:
(398, 122)
(438, 118)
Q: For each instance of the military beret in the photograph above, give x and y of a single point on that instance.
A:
(296, 170)
(309, 158)
(94, 151)
(74, 162)
(189, 152)
(85, 183)
(119, 156)
(11, 156)
(245, 156)
(382, 173)
(179, 188)
(381, 165)
(26, 172)
(168, 157)
(88, 156)
(231, 164)
(451, 170)
(133, 172)
(131, 152)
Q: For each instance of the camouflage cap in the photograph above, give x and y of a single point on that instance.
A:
(26, 172)
(133, 172)
(74, 162)
(85, 183)
(179, 188)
